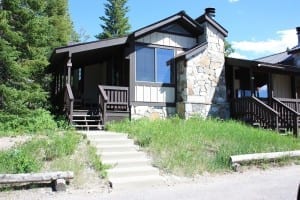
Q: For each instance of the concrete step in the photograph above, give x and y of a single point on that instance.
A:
(136, 182)
(122, 155)
(119, 172)
(133, 162)
(93, 135)
(116, 148)
(114, 141)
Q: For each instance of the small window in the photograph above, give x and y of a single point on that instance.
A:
(153, 64)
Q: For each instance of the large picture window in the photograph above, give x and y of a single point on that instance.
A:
(153, 64)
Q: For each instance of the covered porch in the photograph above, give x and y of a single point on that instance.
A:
(264, 94)
(90, 82)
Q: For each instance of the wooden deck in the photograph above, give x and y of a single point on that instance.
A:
(276, 114)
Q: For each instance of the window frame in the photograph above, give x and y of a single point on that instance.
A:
(155, 67)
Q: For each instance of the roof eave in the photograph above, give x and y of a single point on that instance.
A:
(91, 45)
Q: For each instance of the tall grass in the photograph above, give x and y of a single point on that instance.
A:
(29, 157)
(196, 145)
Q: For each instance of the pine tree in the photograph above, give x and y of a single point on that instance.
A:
(29, 30)
(116, 23)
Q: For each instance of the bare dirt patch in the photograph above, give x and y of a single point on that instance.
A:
(9, 142)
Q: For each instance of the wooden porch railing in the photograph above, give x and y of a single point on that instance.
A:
(288, 117)
(113, 99)
(292, 103)
(288, 112)
(251, 109)
(69, 102)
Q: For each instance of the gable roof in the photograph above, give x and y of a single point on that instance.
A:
(206, 18)
(185, 20)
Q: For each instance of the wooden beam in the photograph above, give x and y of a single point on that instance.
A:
(69, 68)
(35, 177)
(263, 156)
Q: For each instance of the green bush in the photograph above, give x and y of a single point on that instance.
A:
(34, 121)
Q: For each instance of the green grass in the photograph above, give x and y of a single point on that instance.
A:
(95, 161)
(30, 156)
(189, 147)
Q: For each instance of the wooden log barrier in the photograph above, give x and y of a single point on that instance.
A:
(57, 178)
(263, 156)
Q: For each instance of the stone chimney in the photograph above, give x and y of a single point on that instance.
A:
(211, 12)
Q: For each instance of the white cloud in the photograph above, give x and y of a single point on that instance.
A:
(237, 55)
(285, 38)
(233, 1)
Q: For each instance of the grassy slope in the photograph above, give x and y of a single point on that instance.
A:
(194, 146)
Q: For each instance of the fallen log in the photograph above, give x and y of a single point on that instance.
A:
(263, 156)
(58, 179)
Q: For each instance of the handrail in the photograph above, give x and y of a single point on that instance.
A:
(102, 102)
(70, 93)
(251, 109)
(264, 105)
(285, 106)
(292, 103)
(288, 116)
(69, 102)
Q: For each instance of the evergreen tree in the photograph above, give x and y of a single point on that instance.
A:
(116, 23)
(228, 48)
(29, 30)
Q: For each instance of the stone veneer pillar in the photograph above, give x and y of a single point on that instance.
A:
(201, 88)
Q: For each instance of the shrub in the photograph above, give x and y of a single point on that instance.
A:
(34, 121)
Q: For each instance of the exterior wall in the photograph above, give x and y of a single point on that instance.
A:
(152, 112)
(154, 94)
(170, 40)
(201, 81)
(282, 86)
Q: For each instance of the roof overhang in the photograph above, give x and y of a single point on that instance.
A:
(88, 46)
(261, 65)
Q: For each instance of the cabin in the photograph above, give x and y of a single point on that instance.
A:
(174, 66)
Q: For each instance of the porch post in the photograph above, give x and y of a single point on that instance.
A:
(270, 87)
(69, 66)
(252, 82)
(294, 91)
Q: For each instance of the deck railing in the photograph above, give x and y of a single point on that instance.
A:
(251, 109)
(69, 102)
(113, 99)
(292, 103)
(288, 115)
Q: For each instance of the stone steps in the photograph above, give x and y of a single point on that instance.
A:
(130, 167)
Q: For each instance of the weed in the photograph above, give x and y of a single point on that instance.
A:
(95, 161)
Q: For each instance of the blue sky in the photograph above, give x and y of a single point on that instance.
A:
(256, 27)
